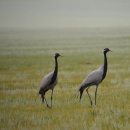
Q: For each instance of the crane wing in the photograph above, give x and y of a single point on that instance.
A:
(46, 81)
(95, 77)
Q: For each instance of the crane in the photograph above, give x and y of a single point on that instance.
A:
(49, 81)
(95, 78)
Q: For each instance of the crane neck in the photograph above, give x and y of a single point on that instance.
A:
(55, 72)
(56, 65)
(104, 66)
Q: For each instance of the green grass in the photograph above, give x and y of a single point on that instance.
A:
(27, 56)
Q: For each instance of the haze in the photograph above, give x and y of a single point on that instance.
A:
(64, 13)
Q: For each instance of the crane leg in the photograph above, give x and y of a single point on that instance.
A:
(43, 98)
(96, 94)
(46, 103)
(81, 92)
(51, 97)
(89, 96)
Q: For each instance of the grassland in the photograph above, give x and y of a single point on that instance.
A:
(26, 57)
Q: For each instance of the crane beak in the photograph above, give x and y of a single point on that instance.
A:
(61, 55)
(110, 51)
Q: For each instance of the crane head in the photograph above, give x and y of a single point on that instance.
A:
(107, 50)
(56, 55)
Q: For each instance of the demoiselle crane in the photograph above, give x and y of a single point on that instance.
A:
(49, 82)
(95, 78)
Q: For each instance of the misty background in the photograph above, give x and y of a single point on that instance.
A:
(64, 13)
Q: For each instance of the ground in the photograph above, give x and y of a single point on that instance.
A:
(26, 56)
